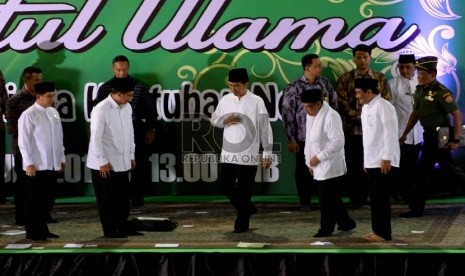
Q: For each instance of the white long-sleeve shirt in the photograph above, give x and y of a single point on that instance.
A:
(111, 136)
(403, 90)
(40, 138)
(325, 140)
(380, 138)
(241, 141)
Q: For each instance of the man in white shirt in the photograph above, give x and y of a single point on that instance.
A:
(144, 119)
(403, 89)
(245, 123)
(40, 141)
(381, 154)
(15, 106)
(350, 112)
(294, 118)
(324, 156)
(111, 157)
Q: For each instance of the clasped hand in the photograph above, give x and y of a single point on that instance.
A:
(232, 120)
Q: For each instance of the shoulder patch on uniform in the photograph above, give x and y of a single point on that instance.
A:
(448, 97)
(447, 94)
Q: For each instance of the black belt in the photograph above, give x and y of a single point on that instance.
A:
(431, 129)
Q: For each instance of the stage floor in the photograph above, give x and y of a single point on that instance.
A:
(207, 227)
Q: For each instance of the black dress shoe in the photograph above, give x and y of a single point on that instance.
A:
(347, 227)
(240, 229)
(117, 235)
(322, 234)
(411, 214)
(52, 236)
(242, 223)
(36, 238)
(134, 233)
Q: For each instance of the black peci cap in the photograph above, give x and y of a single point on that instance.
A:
(366, 84)
(311, 96)
(406, 58)
(44, 87)
(123, 84)
(238, 75)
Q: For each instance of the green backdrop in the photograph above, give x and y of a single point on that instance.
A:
(183, 51)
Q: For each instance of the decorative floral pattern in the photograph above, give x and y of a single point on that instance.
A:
(367, 12)
(439, 9)
(275, 64)
(447, 63)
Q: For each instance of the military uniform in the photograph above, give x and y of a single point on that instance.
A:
(433, 104)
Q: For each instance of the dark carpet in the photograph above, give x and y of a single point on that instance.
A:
(279, 225)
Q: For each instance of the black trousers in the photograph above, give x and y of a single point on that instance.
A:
(430, 154)
(19, 189)
(112, 195)
(356, 175)
(303, 178)
(36, 203)
(141, 174)
(405, 182)
(332, 208)
(236, 183)
(380, 201)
